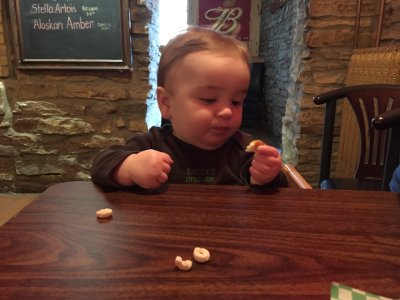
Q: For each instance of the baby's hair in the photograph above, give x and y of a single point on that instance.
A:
(196, 39)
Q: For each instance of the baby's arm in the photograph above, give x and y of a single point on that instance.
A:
(148, 169)
(265, 166)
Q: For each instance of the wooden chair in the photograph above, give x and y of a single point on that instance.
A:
(390, 121)
(367, 101)
(377, 65)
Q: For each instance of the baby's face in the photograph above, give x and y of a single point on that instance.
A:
(207, 91)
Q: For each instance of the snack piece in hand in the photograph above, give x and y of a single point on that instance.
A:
(252, 147)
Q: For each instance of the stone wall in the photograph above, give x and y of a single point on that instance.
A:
(281, 47)
(52, 123)
(307, 45)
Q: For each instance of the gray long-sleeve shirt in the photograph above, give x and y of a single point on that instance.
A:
(228, 165)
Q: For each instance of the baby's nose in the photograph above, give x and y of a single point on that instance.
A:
(225, 112)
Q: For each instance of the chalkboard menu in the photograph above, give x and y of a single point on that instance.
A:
(84, 34)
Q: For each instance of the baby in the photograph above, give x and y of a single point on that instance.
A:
(202, 80)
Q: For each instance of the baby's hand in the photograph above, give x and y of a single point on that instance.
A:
(148, 169)
(266, 165)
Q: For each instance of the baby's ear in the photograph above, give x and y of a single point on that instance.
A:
(163, 100)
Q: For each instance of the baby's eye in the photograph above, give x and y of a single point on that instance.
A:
(237, 103)
(208, 100)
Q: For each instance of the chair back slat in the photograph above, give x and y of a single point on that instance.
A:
(389, 120)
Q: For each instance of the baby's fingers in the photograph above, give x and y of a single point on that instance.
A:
(166, 158)
(272, 165)
(166, 168)
(267, 150)
(163, 178)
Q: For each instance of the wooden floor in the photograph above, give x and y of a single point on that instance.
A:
(11, 204)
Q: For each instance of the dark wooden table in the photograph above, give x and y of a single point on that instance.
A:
(269, 244)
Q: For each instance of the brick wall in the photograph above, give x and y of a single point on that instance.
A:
(391, 24)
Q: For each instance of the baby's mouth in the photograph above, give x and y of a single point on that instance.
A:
(220, 129)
